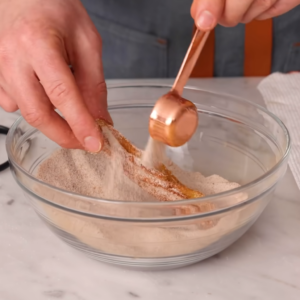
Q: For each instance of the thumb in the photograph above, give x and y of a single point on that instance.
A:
(207, 13)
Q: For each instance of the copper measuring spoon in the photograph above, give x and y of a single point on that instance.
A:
(174, 119)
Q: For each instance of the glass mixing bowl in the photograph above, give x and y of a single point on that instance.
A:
(236, 139)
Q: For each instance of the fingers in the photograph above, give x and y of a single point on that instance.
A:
(207, 13)
(62, 90)
(234, 11)
(278, 8)
(37, 38)
(38, 111)
(229, 13)
(257, 8)
(88, 71)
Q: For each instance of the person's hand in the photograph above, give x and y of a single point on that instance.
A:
(38, 41)
(208, 13)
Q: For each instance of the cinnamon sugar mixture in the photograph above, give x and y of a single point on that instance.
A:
(123, 172)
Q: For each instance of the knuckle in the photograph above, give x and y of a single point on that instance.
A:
(96, 42)
(37, 34)
(101, 90)
(29, 33)
(233, 23)
(229, 22)
(92, 89)
(101, 86)
(246, 20)
(265, 3)
(58, 91)
(66, 144)
(274, 10)
(35, 118)
(94, 37)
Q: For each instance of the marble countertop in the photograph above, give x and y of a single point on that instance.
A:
(263, 264)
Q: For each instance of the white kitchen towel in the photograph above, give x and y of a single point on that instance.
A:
(281, 93)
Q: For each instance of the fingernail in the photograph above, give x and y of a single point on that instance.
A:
(205, 20)
(92, 144)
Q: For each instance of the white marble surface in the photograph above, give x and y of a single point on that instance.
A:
(263, 264)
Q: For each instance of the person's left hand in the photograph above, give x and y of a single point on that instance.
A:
(208, 13)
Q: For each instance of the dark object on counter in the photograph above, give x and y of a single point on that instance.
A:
(5, 165)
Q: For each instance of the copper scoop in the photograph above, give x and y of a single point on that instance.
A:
(174, 119)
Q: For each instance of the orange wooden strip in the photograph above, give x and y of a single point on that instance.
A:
(204, 66)
(258, 48)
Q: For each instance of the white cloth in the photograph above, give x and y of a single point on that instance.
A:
(281, 93)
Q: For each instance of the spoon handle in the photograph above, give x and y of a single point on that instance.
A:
(189, 61)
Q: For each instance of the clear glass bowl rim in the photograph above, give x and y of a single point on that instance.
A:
(159, 204)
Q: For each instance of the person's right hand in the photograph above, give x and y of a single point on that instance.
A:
(208, 13)
(38, 41)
